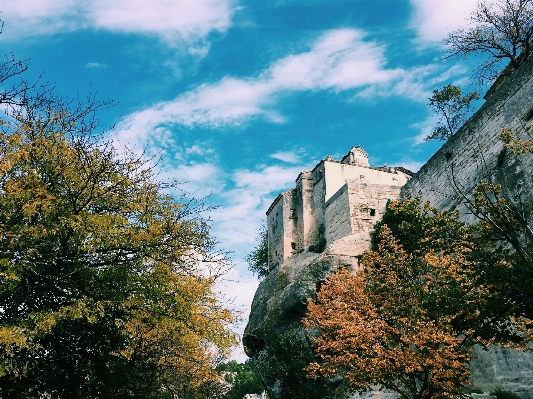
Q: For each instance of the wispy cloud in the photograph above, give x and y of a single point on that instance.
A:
(434, 19)
(246, 203)
(410, 164)
(95, 65)
(286, 156)
(175, 22)
(425, 129)
(339, 60)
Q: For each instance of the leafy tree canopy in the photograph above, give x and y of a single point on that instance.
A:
(242, 378)
(106, 280)
(409, 321)
(281, 365)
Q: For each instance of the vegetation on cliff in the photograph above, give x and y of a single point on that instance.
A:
(452, 109)
(431, 289)
(257, 258)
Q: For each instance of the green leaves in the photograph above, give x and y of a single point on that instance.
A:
(105, 279)
(452, 108)
(258, 258)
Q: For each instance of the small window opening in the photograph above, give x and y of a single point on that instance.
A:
(529, 114)
(372, 212)
(293, 245)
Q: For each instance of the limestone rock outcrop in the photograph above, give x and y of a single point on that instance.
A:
(473, 154)
(281, 299)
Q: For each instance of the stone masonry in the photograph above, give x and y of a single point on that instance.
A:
(335, 205)
(333, 200)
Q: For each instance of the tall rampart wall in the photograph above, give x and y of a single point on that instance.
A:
(473, 154)
(476, 152)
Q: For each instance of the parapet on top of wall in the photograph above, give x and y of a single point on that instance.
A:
(476, 152)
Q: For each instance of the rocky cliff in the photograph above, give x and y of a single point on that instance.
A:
(474, 153)
(281, 299)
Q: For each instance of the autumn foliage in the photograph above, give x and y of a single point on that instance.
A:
(106, 279)
(408, 322)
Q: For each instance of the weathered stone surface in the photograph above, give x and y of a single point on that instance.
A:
(503, 368)
(473, 154)
(476, 152)
(281, 298)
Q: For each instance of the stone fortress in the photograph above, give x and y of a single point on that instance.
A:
(333, 200)
(326, 220)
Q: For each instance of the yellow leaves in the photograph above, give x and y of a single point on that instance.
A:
(12, 340)
(516, 146)
(97, 253)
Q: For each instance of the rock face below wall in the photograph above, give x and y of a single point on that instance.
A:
(500, 367)
(281, 298)
(472, 154)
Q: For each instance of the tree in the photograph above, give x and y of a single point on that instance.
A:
(281, 365)
(106, 279)
(505, 223)
(452, 108)
(242, 378)
(409, 321)
(257, 258)
(501, 30)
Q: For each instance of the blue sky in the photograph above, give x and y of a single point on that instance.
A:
(238, 97)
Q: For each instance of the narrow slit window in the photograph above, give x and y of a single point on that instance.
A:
(372, 212)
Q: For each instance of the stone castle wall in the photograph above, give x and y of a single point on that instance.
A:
(476, 153)
(338, 213)
(356, 208)
(333, 200)
(473, 154)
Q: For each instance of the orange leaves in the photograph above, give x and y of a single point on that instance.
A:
(428, 293)
(406, 322)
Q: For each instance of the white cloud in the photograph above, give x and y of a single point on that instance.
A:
(199, 178)
(172, 20)
(286, 156)
(199, 149)
(95, 65)
(175, 22)
(43, 17)
(247, 202)
(425, 128)
(411, 165)
(338, 60)
(434, 19)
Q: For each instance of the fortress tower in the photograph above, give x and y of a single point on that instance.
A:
(333, 200)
